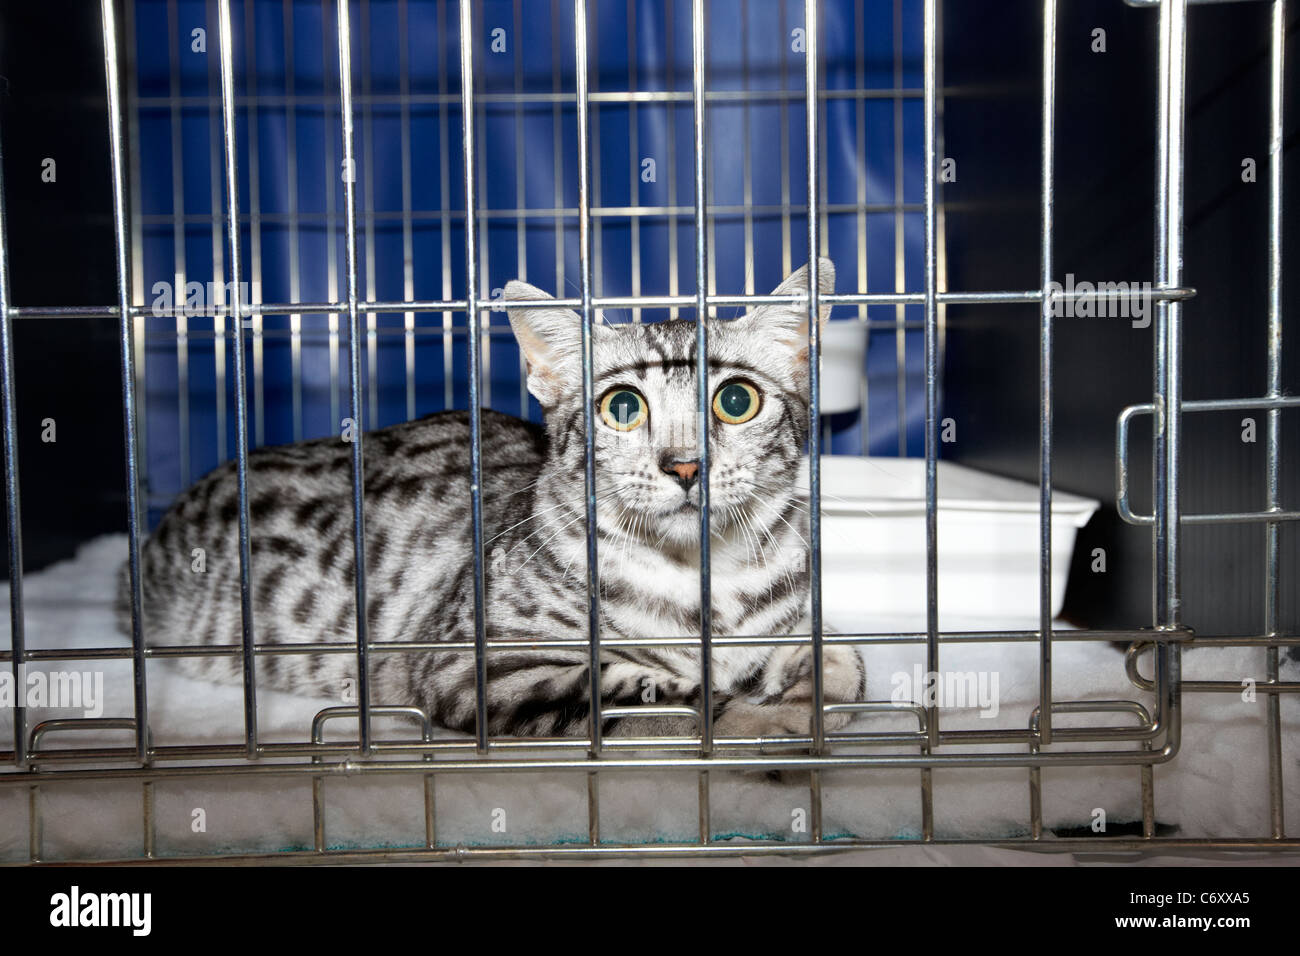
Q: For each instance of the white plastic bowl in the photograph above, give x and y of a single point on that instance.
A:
(843, 351)
(873, 540)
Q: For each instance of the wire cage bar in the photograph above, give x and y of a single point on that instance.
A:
(226, 40)
(123, 248)
(1140, 737)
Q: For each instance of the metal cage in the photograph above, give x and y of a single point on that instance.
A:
(1153, 738)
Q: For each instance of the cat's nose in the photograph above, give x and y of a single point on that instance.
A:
(684, 470)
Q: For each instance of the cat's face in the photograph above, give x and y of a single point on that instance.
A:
(646, 413)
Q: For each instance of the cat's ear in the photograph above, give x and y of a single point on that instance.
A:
(550, 339)
(789, 323)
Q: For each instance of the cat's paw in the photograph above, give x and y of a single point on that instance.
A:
(742, 719)
(787, 674)
(658, 726)
(787, 710)
(772, 721)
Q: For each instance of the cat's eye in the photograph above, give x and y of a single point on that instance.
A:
(623, 409)
(736, 402)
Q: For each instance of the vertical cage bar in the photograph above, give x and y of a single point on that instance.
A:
(940, 215)
(1168, 266)
(331, 224)
(136, 220)
(241, 391)
(318, 813)
(485, 261)
(444, 194)
(1147, 795)
(1166, 590)
(598, 224)
(295, 255)
(148, 819)
(474, 338)
(179, 270)
(860, 152)
(408, 239)
(557, 144)
(709, 191)
(746, 133)
(215, 186)
(927, 800)
(35, 825)
(702, 384)
(900, 234)
(13, 506)
(580, 26)
(1045, 380)
(1277, 44)
(811, 31)
(931, 377)
(1035, 788)
(354, 371)
(521, 189)
(317, 799)
(368, 198)
(670, 121)
(821, 152)
(634, 151)
(786, 254)
(254, 229)
(123, 264)
(430, 810)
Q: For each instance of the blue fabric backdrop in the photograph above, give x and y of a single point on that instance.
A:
(287, 73)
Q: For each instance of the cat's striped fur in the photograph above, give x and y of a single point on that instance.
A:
(418, 542)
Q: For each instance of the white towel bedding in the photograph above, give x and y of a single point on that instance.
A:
(1216, 787)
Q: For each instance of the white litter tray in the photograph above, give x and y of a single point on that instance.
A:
(873, 540)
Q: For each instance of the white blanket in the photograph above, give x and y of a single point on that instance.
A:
(1216, 787)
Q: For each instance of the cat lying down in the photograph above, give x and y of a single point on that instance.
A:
(418, 544)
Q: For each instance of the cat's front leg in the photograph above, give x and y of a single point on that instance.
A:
(633, 685)
(781, 703)
(546, 693)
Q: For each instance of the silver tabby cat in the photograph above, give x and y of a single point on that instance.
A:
(418, 542)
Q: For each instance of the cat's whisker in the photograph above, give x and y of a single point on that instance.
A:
(745, 535)
(803, 499)
(758, 544)
(762, 550)
(545, 527)
(781, 517)
(558, 532)
(523, 488)
(788, 575)
(630, 535)
(535, 514)
(839, 536)
(622, 509)
(623, 530)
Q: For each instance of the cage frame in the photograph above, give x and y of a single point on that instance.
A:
(1156, 738)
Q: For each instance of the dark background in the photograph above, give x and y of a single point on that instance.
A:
(60, 244)
(1104, 230)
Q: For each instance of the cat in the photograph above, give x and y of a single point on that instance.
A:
(418, 550)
